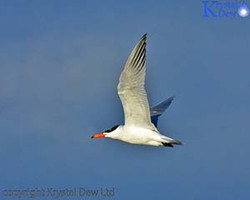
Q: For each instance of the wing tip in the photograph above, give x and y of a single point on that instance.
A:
(172, 98)
(144, 37)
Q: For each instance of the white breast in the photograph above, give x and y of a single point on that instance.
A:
(137, 135)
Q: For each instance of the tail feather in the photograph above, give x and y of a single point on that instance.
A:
(165, 144)
(171, 143)
(178, 142)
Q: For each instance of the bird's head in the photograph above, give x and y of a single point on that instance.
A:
(105, 133)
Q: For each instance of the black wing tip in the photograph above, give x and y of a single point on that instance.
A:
(144, 37)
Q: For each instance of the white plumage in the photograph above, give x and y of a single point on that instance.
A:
(138, 128)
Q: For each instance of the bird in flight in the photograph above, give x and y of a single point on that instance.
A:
(140, 121)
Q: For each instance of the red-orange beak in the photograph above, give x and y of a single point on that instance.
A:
(98, 135)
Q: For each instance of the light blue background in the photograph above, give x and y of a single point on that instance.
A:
(59, 67)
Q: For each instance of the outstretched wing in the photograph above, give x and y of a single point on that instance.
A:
(131, 87)
(159, 109)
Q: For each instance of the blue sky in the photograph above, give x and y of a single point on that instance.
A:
(59, 67)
